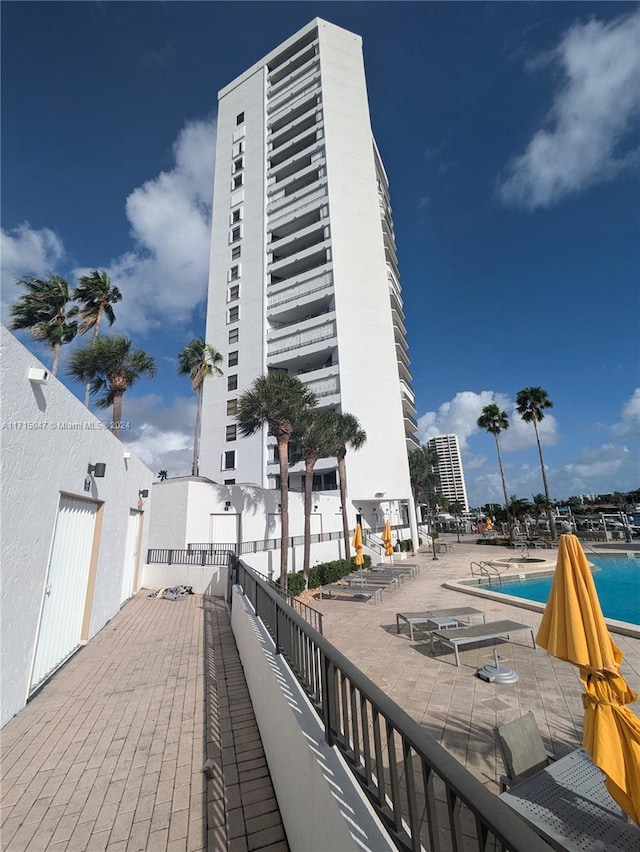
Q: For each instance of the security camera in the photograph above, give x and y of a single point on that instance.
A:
(38, 375)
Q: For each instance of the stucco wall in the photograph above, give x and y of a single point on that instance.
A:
(48, 440)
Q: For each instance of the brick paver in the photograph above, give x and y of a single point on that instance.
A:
(110, 755)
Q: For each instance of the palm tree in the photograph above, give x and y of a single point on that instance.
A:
(162, 475)
(530, 405)
(495, 421)
(110, 364)
(198, 360)
(43, 310)
(348, 434)
(97, 295)
(315, 441)
(278, 401)
(423, 474)
(541, 506)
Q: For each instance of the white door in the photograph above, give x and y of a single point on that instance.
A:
(223, 528)
(66, 586)
(130, 556)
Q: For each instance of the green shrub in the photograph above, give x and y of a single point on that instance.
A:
(295, 583)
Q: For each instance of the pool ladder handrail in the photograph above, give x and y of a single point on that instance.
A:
(484, 569)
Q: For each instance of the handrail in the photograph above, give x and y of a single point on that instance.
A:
(484, 569)
(425, 798)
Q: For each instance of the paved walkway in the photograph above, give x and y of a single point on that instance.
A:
(131, 746)
(458, 709)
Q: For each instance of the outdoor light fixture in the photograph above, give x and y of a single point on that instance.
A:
(38, 375)
(97, 470)
(143, 493)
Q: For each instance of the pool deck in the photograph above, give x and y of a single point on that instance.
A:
(457, 708)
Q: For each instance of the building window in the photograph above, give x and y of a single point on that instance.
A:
(234, 335)
(236, 233)
(236, 252)
(238, 164)
(229, 482)
(231, 432)
(232, 382)
(234, 273)
(232, 407)
(234, 293)
(237, 149)
(232, 360)
(237, 181)
(229, 460)
(234, 314)
(236, 215)
(239, 118)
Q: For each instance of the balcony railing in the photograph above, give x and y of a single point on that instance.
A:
(424, 797)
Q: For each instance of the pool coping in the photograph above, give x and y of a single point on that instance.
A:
(471, 586)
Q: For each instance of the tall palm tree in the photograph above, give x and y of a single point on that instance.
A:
(198, 360)
(530, 405)
(495, 421)
(315, 441)
(96, 295)
(348, 434)
(44, 311)
(423, 475)
(111, 365)
(278, 401)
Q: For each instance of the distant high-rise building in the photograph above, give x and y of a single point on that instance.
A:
(452, 484)
(303, 273)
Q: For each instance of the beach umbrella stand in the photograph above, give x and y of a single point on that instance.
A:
(496, 673)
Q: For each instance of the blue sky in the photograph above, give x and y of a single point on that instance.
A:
(510, 133)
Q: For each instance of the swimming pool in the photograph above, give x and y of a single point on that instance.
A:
(617, 580)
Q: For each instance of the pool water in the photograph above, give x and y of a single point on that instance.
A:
(617, 580)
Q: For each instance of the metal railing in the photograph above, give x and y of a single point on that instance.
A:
(424, 797)
(249, 582)
(170, 556)
(485, 569)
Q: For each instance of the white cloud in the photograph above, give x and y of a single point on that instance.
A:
(586, 130)
(165, 275)
(460, 415)
(630, 422)
(25, 251)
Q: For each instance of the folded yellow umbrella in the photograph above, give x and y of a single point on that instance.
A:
(573, 629)
(357, 544)
(387, 540)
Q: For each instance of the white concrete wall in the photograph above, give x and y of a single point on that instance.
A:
(322, 806)
(48, 440)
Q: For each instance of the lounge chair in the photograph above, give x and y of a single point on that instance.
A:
(459, 614)
(522, 749)
(459, 637)
(362, 592)
(374, 580)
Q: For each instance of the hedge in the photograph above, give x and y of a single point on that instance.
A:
(324, 574)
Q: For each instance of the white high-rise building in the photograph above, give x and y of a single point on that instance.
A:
(303, 273)
(452, 484)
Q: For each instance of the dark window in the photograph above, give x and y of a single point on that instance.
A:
(232, 406)
(234, 274)
(236, 215)
(235, 235)
(237, 181)
(236, 252)
(229, 459)
(232, 382)
(234, 293)
(234, 335)
(239, 118)
(234, 314)
(232, 360)
(238, 165)
(229, 482)
(231, 432)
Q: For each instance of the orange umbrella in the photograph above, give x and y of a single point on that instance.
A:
(357, 545)
(573, 629)
(387, 540)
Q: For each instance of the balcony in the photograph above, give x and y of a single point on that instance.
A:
(299, 223)
(292, 113)
(290, 98)
(296, 182)
(304, 261)
(408, 398)
(295, 146)
(297, 63)
(301, 335)
(298, 240)
(294, 128)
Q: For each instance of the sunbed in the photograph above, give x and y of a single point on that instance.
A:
(412, 570)
(457, 614)
(374, 580)
(461, 636)
(364, 592)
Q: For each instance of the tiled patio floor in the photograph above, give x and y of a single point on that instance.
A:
(458, 709)
(110, 754)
